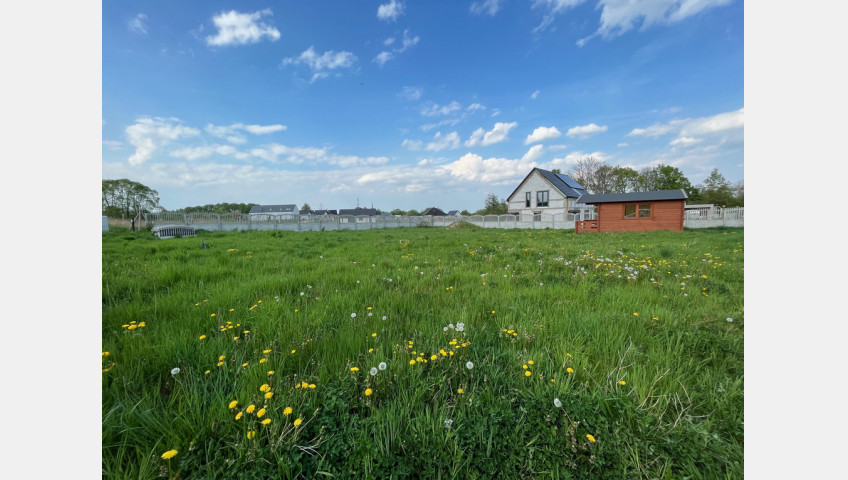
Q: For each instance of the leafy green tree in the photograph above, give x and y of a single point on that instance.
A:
(219, 208)
(465, 213)
(125, 198)
(665, 177)
(493, 206)
(717, 190)
(413, 213)
(306, 207)
(397, 212)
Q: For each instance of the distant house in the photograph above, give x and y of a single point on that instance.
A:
(265, 212)
(635, 212)
(317, 213)
(543, 191)
(454, 213)
(434, 212)
(359, 211)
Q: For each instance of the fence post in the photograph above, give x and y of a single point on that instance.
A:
(248, 222)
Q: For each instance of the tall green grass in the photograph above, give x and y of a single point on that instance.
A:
(646, 309)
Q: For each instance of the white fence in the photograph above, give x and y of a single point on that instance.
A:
(731, 217)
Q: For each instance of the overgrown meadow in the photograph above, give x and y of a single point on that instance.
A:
(423, 353)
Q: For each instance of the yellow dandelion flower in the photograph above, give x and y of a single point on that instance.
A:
(266, 421)
(622, 382)
(169, 454)
(238, 415)
(266, 350)
(304, 385)
(233, 404)
(244, 364)
(263, 360)
(222, 357)
(202, 337)
(374, 334)
(260, 413)
(297, 422)
(213, 315)
(524, 367)
(220, 364)
(433, 357)
(287, 411)
(527, 373)
(568, 355)
(635, 314)
(530, 362)
(591, 438)
(206, 372)
(370, 350)
(270, 372)
(367, 392)
(412, 362)
(459, 390)
(293, 351)
(450, 353)
(232, 309)
(132, 327)
(569, 370)
(105, 354)
(269, 394)
(251, 434)
(354, 369)
(250, 408)
(142, 324)
(311, 385)
(265, 388)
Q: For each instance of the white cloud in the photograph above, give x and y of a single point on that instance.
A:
(622, 144)
(206, 151)
(541, 134)
(475, 138)
(533, 154)
(407, 41)
(621, 16)
(442, 142)
(113, 144)
(430, 126)
(567, 162)
(688, 129)
(684, 141)
(412, 144)
(236, 28)
(433, 109)
(138, 25)
(148, 134)
(276, 153)
(556, 148)
(498, 133)
(474, 168)
(534, 95)
(411, 93)
(232, 133)
(389, 12)
(322, 64)
(382, 58)
(585, 131)
(551, 9)
(474, 107)
(654, 131)
(486, 7)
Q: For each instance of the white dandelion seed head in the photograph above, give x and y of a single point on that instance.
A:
(557, 403)
(382, 365)
(729, 319)
(469, 365)
(445, 329)
(357, 281)
(301, 294)
(450, 325)
(460, 329)
(373, 371)
(353, 315)
(175, 370)
(384, 317)
(448, 423)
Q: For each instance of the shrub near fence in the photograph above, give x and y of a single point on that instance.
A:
(731, 217)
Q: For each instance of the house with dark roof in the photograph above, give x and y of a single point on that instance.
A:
(359, 211)
(545, 192)
(635, 211)
(317, 213)
(434, 212)
(272, 211)
(454, 213)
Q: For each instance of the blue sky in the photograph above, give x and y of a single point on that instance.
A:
(410, 104)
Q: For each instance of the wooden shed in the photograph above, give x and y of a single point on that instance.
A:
(635, 212)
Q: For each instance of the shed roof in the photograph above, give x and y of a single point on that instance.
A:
(655, 195)
(434, 211)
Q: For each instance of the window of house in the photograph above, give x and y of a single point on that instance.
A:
(642, 210)
(542, 199)
(527, 200)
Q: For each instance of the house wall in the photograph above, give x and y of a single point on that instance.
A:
(557, 202)
(665, 215)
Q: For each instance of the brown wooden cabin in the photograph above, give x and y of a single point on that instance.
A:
(635, 212)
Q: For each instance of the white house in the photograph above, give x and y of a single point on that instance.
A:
(546, 192)
(268, 212)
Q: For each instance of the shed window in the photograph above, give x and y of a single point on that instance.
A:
(542, 198)
(527, 200)
(643, 210)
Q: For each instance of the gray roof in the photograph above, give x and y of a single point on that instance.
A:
(655, 195)
(274, 209)
(359, 211)
(434, 211)
(565, 184)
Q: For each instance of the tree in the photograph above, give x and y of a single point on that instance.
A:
(465, 213)
(625, 180)
(398, 212)
(585, 171)
(665, 177)
(306, 207)
(717, 190)
(126, 198)
(413, 213)
(493, 206)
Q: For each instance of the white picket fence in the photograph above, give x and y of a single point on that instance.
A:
(731, 217)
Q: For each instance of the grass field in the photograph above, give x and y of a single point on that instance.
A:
(423, 353)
